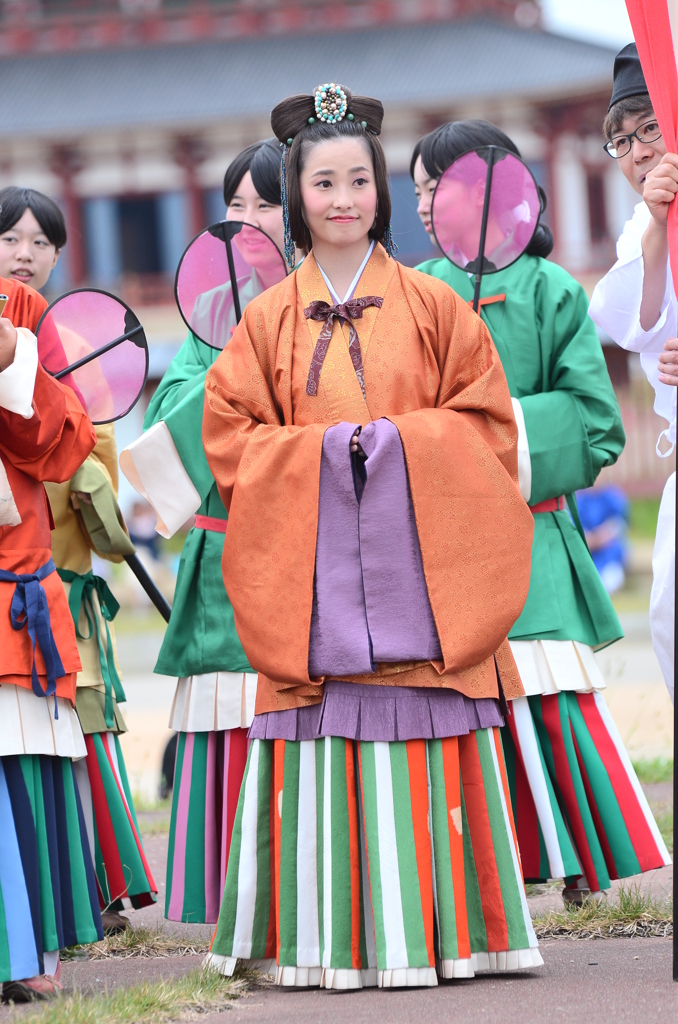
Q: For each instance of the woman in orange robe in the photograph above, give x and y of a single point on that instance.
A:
(47, 882)
(377, 554)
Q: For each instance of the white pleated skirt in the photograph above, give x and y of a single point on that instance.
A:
(28, 725)
(214, 702)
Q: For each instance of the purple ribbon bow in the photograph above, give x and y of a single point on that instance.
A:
(349, 311)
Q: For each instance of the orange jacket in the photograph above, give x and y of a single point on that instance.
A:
(51, 445)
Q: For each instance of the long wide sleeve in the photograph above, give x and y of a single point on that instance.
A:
(167, 464)
(574, 425)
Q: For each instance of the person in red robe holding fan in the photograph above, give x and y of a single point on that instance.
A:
(86, 518)
(47, 881)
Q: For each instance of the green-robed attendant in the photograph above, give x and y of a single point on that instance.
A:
(580, 811)
(214, 701)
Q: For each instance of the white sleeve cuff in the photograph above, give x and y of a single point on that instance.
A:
(17, 381)
(524, 461)
(153, 467)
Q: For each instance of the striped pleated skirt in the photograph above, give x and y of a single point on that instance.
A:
(207, 777)
(48, 890)
(375, 863)
(578, 804)
(124, 877)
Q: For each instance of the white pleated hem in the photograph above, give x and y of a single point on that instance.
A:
(28, 725)
(508, 960)
(551, 666)
(341, 979)
(225, 965)
(408, 977)
(214, 702)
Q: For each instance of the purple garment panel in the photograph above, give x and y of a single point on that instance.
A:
(295, 724)
(370, 602)
(399, 612)
(362, 711)
(339, 642)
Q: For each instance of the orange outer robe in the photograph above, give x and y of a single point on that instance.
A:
(52, 445)
(431, 368)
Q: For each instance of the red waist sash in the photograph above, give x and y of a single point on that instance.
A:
(211, 523)
(550, 505)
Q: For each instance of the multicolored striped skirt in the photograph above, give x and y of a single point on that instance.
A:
(578, 804)
(375, 863)
(48, 891)
(123, 875)
(207, 777)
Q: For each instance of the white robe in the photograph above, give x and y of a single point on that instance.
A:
(615, 307)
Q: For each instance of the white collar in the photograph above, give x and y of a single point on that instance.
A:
(354, 283)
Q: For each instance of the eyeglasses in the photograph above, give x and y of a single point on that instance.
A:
(621, 144)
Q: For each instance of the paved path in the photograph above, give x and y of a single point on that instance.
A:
(609, 982)
(613, 981)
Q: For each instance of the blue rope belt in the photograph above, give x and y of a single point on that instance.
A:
(30, 608)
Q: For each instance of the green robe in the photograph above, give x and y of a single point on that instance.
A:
(201, 636)
(555, 367)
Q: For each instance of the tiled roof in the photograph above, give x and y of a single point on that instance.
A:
(184, 85)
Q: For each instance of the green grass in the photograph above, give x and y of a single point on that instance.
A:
(143, 805)
(140, 942)
(656, 769)
(664, 818)
(186, 998)
(643, 517)
(632, 914)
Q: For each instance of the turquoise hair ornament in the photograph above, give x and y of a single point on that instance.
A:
(290, 252)
(331, 103)
(389, 242)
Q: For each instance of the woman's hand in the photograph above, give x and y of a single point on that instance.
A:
(8, 338)
(355, 447)
(668, 363)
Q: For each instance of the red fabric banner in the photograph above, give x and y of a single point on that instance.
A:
(651, 24)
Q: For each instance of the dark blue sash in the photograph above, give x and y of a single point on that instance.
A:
(30, 608)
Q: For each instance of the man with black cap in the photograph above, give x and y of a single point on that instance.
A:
(635, 303)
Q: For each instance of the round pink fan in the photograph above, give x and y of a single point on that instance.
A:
(223, 268)
(93, 341)
(485, 210)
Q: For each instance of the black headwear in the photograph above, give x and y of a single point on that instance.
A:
(629, 79)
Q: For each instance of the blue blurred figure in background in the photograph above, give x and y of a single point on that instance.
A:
(604, 514)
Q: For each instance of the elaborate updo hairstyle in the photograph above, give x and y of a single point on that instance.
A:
(262, 160)
(14, 202)
(446, 144)
(299, 122)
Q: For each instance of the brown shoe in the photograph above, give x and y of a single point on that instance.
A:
(33, 990)
(113, 923)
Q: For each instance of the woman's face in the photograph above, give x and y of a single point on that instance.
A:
(338, 191)
(26, 254)
(246, 204)
(424, 187)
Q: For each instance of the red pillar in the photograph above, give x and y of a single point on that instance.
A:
(66, 162)
(189, 153)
